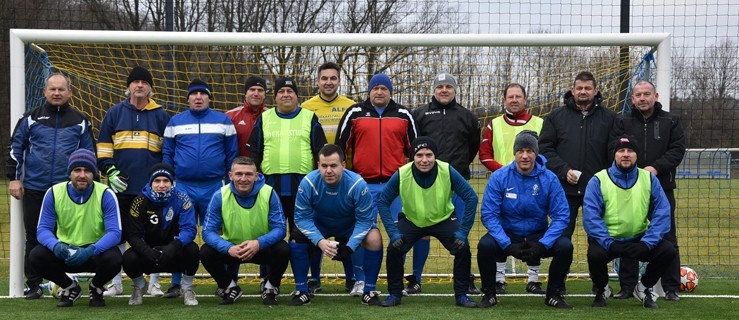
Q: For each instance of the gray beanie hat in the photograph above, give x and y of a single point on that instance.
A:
(526, 139)
(445, 78)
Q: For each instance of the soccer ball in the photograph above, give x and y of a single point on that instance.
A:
(688, 279)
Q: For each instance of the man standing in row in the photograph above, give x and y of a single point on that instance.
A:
(130, 142)
(457, 133)
(329, 106)
(663, 146)
(497, 141)
(574, 139)
(35, 163)
(245, 117)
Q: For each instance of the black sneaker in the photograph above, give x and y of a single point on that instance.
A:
(625, 293)
(648, 299)
(500, 287)
(69, 296)
(220, 292)
(534, 287)
(371, 298)
(299, 299)
(35, 292)
(670, 295)
(174, 291)
(231, 295)
(269, 297)
(465, 301)
(392, 301)
(488, 300)
(314, 286)
(473, 289)
(349, 285)
(557, 301)
(96, 296)
(413, 286)
(600, 298)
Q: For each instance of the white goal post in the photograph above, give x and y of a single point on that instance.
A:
(19, 38)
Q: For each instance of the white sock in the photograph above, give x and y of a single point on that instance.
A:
(139, 282)
(500, 272)
(154, 278)
(268, 285)
(534, 273)
(230, 285)
(187, 281)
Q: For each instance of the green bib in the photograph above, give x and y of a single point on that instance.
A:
(504, 135)
(241, 224)
(287, 146)
(79, 224)
(626, 209)
(426, 207)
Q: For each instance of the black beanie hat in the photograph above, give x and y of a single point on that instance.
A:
(285, 82)
(255, 81)
(198, 85)
(625, 141)
(159, 170)
(421, 143)
(139, 73)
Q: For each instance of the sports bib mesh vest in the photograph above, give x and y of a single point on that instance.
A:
(426, 207)
(626, 209)
(79, 224)
(504, 133)
(241, 224)
(287, 143)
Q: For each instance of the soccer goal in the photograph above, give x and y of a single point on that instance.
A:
(98, 63)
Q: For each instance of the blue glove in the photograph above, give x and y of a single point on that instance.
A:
(61, 250)
(116, 180)
(79, 256)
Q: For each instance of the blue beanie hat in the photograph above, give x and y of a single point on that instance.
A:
(380, 79)
(198, 85)
(83, 158)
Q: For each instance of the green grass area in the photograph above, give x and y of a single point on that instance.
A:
(417, 307)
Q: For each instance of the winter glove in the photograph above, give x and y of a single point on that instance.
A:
(78, 256)
(637, 250)
(116, 180)
(399, 243)
(169, 251)
(536, 251)
(514, 249)
(617, 249)
(152, 255)
(343, 253)
(457, 245)
(61, 250)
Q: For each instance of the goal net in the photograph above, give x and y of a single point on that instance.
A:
(545, 65)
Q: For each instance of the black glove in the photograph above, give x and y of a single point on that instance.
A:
(536, 251)
(637, 250)
(169, 251)
(152, 255)
(457, 245)
(617, 249)
(343, 252)
(398, 244)
(514, 249)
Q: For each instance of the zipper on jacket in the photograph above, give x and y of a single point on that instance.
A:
(380, 119)
(53, 153)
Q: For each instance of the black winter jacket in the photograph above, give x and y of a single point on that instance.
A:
(455, 130)
(661, 140)
(571, 140)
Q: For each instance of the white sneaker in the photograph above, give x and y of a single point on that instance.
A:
(358, 289)
(190, 297)
(155, 290)
(137, 297)
(639, 292)
(113, 289)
